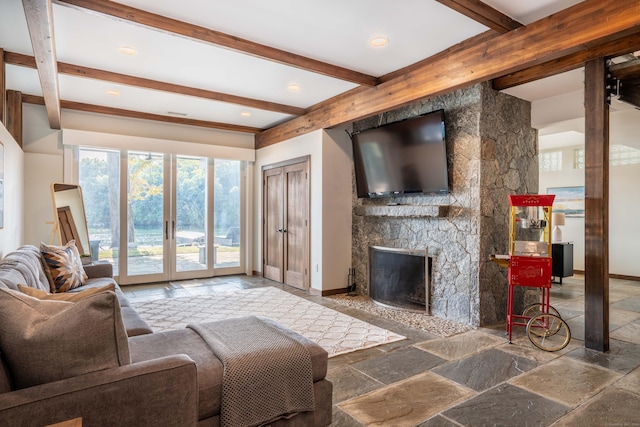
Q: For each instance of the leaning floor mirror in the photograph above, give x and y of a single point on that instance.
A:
(69, 215)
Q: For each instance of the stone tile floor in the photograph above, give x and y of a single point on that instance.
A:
(475, 378)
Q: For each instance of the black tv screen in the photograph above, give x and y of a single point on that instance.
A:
(402, 158)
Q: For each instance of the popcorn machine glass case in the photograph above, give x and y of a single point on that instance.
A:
(530, 225)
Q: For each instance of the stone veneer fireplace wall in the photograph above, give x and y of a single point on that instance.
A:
(492, 152)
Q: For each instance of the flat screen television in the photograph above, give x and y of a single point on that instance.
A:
(402, 158)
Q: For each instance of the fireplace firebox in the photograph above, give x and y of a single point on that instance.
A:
(399, 278)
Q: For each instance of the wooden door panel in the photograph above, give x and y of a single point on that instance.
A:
(273, 200)
(285, 208)
(296, 219)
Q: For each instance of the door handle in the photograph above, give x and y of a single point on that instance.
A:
(280, 230)
(173, 229)
(166, 230)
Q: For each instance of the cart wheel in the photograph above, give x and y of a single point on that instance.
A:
(548, 332)
(532, 310)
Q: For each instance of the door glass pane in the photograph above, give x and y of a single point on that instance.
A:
(145, 220)
(191, 211)
(99, 178)
(226, 197)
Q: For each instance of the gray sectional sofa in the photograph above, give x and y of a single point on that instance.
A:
(171, 378)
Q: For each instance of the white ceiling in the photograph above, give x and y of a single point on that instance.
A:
(332, 31)
(557, 110)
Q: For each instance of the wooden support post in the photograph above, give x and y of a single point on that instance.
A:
(3, 89)
(14, 115)
(596, 277)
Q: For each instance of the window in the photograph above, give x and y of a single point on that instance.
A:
(578, 158)
(226, 213)
(169, 230)
(99, 177)
(550, 161)
(622, 155)
(618, 155)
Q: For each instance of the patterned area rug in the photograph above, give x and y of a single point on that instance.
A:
(334, 331)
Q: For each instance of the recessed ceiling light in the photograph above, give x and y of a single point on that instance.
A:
(127, 50)
(293, 87)
(245, 114)
(113, 93)
(378, 41)
(176, 113)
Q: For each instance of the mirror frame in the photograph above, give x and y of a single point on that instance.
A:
(69, 216)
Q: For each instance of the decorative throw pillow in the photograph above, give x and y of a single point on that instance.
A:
(65, 296)
(65, 266)
(43, 341)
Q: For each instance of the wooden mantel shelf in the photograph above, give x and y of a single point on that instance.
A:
(406, 211)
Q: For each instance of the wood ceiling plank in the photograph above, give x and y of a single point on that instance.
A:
(194, 32)
(484, 14)
(555, 36)
(40, 22)
(621, 46)
(93, 73)
(79, 106)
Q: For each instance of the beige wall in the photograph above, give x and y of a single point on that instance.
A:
(331, 200)
(12, 231)
(39, 212)
(624, 205)
(337, 201)
(305, 145)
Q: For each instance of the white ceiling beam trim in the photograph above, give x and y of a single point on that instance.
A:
(39, 16)
(85, 138)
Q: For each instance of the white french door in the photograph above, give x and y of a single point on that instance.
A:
(168, 226)
(180, 215)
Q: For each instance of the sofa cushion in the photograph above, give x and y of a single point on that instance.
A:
(100, 282)
(24, 266)
(64, 266)
(65, 296)
(44, 341)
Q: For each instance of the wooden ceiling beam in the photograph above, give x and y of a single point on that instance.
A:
(553, 37)
(630, 92)
(195, 32)
(576, 60)
(628, 74)
(484, 14)
(90, 108)
(40, 22)
(629, 70)
(93, 73)
(487, 36)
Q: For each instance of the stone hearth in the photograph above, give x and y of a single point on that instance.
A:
(492, 152)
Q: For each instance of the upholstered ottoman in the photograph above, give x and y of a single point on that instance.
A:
(211, 371)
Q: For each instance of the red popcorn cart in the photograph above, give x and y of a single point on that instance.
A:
(529, 263)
